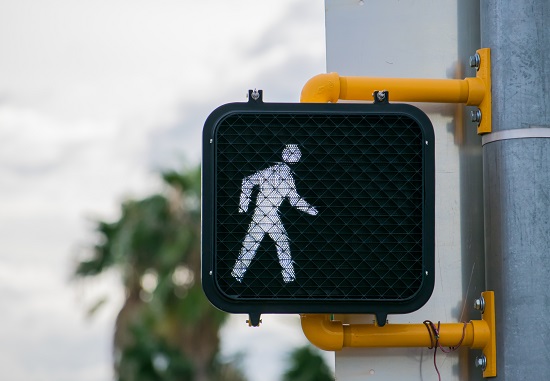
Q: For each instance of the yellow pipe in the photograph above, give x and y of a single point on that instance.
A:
(323, 332)
(322, 88)
(476, 335)
(330, 87)
(332, 335)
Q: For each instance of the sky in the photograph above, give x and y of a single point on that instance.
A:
(96, 97)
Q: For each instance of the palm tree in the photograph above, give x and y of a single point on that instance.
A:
(307, 365)
(166, 329)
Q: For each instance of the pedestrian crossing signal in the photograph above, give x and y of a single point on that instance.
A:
(318, 208)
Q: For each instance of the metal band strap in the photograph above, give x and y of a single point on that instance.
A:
(520, 133)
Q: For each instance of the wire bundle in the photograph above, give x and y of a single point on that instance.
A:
(433, 331)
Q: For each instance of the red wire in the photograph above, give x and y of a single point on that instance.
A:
(435, 365)
(432, 329)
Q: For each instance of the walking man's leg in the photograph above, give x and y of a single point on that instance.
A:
(251, 243)
(283, 253)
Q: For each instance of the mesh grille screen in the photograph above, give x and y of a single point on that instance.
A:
(354, 233)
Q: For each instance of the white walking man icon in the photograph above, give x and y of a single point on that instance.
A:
(275, 184)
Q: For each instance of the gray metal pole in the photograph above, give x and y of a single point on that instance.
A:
(516, 170)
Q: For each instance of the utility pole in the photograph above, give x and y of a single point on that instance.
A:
(516, 172)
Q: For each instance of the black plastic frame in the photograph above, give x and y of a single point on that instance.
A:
(256, 307)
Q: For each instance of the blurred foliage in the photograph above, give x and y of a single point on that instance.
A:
(166, 329)
(306, 364)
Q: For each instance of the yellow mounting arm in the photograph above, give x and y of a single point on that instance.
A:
(470, 91)
(333, 335)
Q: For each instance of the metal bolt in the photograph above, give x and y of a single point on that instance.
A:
(475, 116)
(479, 304)
(475, 61)
(481, 362)
(381, 95)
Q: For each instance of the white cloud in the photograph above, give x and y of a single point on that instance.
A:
(44, 337)
(75, 164)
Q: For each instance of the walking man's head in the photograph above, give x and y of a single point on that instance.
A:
(291, 153)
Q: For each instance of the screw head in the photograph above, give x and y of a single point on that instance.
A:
(475, 116)
(381, 95)
(475, 61)
(481, 362)
(479, 304)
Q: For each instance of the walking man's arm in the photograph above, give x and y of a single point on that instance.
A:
(297, 201)
(246, 191)
(304, 206)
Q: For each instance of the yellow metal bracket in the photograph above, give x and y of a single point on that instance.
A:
(333, 335)
(484, 74)
(490, 347)
(476, 91)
